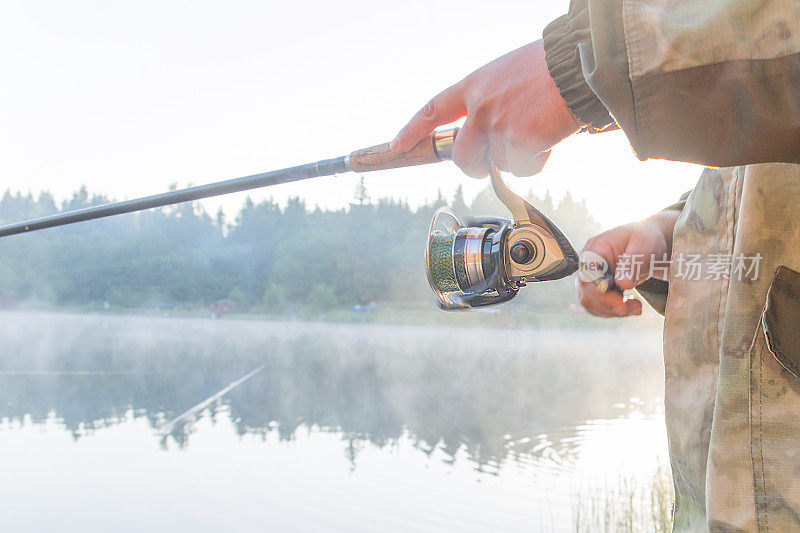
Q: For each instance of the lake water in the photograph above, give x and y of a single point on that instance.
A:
(338, 428)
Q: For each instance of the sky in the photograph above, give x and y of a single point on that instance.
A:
(128, 98)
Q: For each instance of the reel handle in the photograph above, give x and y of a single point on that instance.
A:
(606, 283)
(437, 147)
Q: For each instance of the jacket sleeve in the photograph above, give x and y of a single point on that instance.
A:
(715, 83)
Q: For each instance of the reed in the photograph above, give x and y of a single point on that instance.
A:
(628, 505)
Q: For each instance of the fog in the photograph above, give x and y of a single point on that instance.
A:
(468, 386)
(345, 415)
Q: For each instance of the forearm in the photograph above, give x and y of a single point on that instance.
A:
(665, 222)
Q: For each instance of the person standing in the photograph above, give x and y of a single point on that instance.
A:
(713, 83)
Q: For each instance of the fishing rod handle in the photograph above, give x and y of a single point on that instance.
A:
(437, 147)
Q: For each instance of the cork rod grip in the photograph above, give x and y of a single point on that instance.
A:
(381, 157)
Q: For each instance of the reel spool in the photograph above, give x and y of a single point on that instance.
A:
(487, 261)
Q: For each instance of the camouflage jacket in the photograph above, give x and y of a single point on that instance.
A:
(717, 83)
(732, 352)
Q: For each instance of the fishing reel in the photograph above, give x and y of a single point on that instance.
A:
(486, 260)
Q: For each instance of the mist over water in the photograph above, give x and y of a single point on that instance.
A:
(346, 428)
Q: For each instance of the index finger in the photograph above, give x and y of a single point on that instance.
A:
(443, 108)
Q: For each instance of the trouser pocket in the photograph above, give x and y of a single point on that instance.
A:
(775, 406)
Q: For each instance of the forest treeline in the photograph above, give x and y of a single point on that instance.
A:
(269, 258)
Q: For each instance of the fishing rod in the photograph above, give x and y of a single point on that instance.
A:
(474, 262)
(436, 148)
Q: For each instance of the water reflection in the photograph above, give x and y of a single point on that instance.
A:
(493, 396)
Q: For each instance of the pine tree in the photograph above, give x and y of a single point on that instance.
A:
(459, 206)
(361, 192)
(221, 220)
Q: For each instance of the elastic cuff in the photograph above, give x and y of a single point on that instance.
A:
(561, 39)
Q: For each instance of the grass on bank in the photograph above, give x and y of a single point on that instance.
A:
(630, 507)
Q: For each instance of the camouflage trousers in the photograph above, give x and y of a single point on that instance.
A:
(732, 352)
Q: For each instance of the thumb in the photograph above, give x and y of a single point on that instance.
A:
(443, 108)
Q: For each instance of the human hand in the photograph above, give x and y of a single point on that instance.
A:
(646, 240)
(515, 114)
